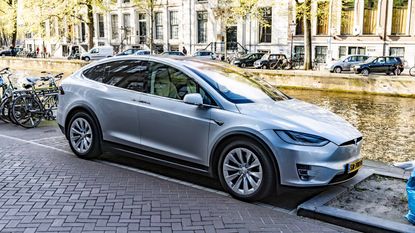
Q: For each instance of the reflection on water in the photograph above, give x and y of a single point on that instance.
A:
(387, 123)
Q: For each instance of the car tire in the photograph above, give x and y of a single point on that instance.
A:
(243, 65)
(238, 174)
(365, 72)
(264, 67)
(397, 71)
(87, 58)
(337, 69)
(83, 127)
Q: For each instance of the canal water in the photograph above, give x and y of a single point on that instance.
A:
(387, 123)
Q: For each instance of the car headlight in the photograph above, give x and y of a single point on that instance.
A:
(236, 62)
(357, 67)
(301, 139)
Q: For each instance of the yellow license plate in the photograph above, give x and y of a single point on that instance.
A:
(356, 165)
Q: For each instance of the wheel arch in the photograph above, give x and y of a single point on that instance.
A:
(214, 154)
(85, 109)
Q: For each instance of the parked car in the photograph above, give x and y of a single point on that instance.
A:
(98, 53)
(142, 52)
(206, 118)
(8, 52)
(269, 60)
(388, 65)
(128, 52)
(247, 59)
(173, 53)
(345, 63)
(205, 55)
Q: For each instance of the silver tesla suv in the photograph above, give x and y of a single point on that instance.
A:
(208, 118)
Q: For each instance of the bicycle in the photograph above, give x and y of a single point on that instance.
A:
(29, 109)
(412, 71)
(8, 94)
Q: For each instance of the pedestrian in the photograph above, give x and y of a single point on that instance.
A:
(37, 51)
(44, 52)
(184, 51)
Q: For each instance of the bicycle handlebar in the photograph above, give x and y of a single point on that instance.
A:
(4, 70)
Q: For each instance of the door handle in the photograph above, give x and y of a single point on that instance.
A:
(144, 102)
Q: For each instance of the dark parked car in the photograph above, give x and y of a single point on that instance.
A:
(173, 53)
(8, 52)
(247, 59)
(269, 60)
(388, 65)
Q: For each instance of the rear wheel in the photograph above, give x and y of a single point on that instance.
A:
(4, 110)
(84, 137)
(26, 111)
(87, 58)
(243, 65)
(245, 170)
(397, 71)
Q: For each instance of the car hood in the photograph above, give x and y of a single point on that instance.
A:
(299, 116)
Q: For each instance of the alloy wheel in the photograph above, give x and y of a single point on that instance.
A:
(80, 135)
(242, 171)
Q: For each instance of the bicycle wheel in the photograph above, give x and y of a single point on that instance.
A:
(27, 111)
(412, 71)
(4, 110)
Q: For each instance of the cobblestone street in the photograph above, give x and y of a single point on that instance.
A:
(44, 188)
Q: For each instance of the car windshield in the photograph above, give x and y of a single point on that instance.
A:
(239, 88)
(370, 59)
(265, 57)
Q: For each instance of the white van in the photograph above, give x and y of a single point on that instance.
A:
(97, 53)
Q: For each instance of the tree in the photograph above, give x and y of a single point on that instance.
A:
(304, 13)
(8, 19)
(148, 6)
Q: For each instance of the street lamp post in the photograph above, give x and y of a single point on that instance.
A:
(292, 25)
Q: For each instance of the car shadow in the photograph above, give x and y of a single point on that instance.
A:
(287, 198)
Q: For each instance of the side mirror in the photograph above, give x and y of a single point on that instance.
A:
(194, 99)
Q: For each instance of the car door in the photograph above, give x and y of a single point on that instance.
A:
(117, 102)
(379, 65)
(352, 60)
(168, 125)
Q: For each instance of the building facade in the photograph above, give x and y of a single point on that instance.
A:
(193, 24)
(371, 27)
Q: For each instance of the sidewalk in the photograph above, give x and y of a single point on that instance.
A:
(49, 190)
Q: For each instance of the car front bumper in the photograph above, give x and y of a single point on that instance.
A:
(306, 166)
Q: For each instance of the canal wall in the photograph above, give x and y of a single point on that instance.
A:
(298, 79)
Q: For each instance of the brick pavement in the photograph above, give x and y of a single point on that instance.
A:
(44, 190)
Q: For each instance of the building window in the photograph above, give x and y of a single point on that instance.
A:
(347, 20)
(142, 28)
(101, 29)
(265, 27)
(83, 32)
(126, 1)
(202, 19)
(370, 17)
(321, 54)
(174, 25)
(397, 52)
(323, 18)
(342, 51)
(299, 53)
(357, 50)
(299, 20)
(399, 17)
(159, 25)
(114, 26)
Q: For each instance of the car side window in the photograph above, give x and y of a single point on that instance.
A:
(130, 75)
(172, 83)
(97, 73)
(381, 60)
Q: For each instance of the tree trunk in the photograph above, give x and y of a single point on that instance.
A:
(90, 25)
(151, 42)
(14, 35)
(225, 38)
(307, 38)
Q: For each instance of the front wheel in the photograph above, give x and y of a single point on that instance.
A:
(365, 72)
(243, 65)
(338, 70)
(412, 71)
(83, 136)
(246, 171)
